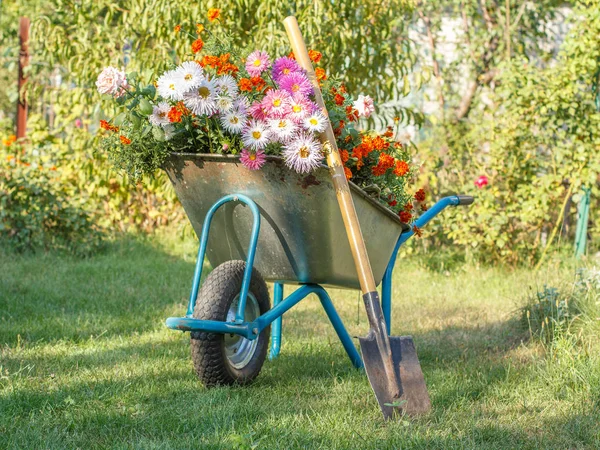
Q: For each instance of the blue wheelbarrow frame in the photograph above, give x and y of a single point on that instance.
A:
(251, 330)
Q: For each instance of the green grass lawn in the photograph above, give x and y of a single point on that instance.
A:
(86, 362)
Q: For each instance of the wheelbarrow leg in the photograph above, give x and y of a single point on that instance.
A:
(339, 327)
(276, 327)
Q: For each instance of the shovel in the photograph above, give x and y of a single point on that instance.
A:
(391, 363)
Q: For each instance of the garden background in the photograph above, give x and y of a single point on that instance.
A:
(505, 90)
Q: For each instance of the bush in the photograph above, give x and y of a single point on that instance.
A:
(38, 208)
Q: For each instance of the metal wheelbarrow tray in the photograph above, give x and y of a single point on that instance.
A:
(302, 237)
(276, 225)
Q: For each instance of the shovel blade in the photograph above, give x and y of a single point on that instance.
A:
(414, 398)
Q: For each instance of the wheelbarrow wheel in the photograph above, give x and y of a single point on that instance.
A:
(228, 359)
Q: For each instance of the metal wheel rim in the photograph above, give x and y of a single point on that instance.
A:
(239, 350)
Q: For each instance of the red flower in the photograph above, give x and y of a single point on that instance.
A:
(405, 216)
(420, 195)
(481, 181)
(393, 203)
(408, 207)
(417, 231)
(348, 173)
(339, 100)
(107, 126)
(125, 140)
(174, 115)
(177, 28)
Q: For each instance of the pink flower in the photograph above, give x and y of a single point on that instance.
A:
(481, 181)
(276, 103)
(257, 62)
(225, 147)
(296, 83)
(253, 160)
(112, 81)
(364, 105)
(284, 66)
(300, 108)
(258, 111)
(78, 123)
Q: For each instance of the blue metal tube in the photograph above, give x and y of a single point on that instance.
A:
(339, 327)
(276, 328)
(202, 252)
(214, 326)
(386, 283)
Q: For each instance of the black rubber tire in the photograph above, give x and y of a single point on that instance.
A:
(214, 299)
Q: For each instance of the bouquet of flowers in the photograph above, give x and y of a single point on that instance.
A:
(224, 100)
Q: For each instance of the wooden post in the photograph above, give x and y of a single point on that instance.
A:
(23, 62)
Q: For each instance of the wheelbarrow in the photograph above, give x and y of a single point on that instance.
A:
(279, 226)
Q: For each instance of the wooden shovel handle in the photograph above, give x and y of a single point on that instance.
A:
(336, 168)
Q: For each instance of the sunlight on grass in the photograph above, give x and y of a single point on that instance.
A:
(85, 361)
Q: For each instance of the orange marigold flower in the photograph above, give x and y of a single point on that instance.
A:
(174, 115)
(405, 216)
(344, 156)
(401, 168)
(199, 28)
(107, 126)
(339, 100)
(379, 143)
(343, 89)
(396, 119)
(420, 195)
(351, 114)
(258, 83)
(291, 55)
(385, 162)
(320, 73)
(245, 85)
(389, 132)
(417, 231)
(408, 207)
(125, 140)
(177, 28)
(314, 56)
(197, 45)
(213, 14)
(348, 173)
(9, 140)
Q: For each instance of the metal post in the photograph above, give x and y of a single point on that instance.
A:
(276, 328)
(23, 62)
(583, 212)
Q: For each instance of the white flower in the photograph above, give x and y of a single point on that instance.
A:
(202, 100)
(159, 115)
(112, 81)
(190, 75)
(169, 131)
(303, 153)
(241, 105)
(224, 103)
(364, 105)
(256, 135)
(170, 86)
(233, 122)
(282, 129)
(226, 85)
(316, 122)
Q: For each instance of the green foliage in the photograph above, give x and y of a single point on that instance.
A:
(554, 314)
(537, 141)
(39, 209)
